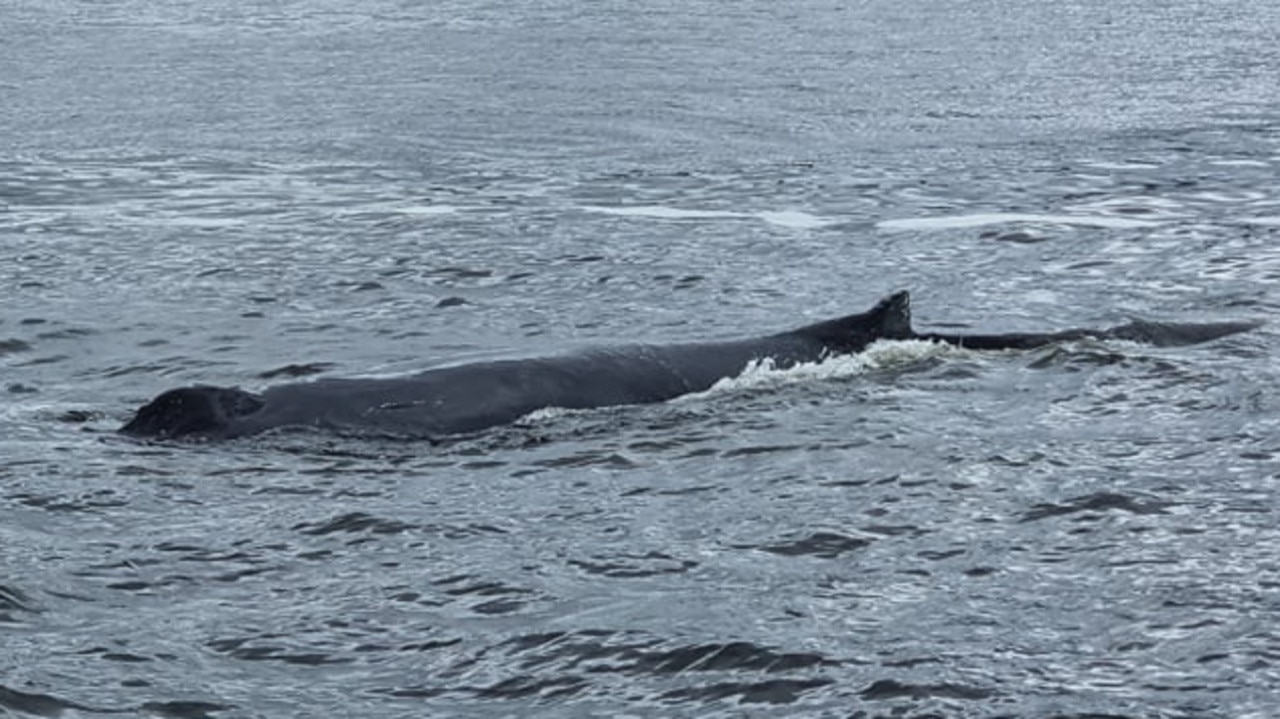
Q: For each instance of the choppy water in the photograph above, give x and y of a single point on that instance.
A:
(234, 193)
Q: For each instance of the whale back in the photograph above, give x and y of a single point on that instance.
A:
(200, 411)
(467, 398)
(889, 319)
(1158, 334)
(1174, 334)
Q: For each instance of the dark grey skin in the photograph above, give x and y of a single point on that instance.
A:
(468, 398)
(1160, 334)
(465, 399)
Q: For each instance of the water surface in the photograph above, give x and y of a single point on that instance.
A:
(240, 193)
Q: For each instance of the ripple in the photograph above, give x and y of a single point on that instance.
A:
(892, 689)
(95, 501)
(254, 649)
(14, 601)
(769, 691)
(624, 566)
(790, 219)
(46, 705)
(297, 370)
(609, 652)
(960, 222)
(1099, 501)
(355, 523)
(185, 709)
(824, 545)
(13, 346)
(1084, 531)
(43, 705)
(498, 597)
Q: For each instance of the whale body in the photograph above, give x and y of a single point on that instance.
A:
(464, 399)
(468, 398)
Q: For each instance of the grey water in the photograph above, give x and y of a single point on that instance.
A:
(254, 192)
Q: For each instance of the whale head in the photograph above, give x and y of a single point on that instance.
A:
(200, 411)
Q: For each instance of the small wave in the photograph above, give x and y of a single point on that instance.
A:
(255, 649)
(427, 209)
(960, 222)
(1097, 502)
(14, 601)
(1262, 221)
(47, 705)
(297, 370)
(491, 597)
(824, 545)
(663, 212)
(792, 219)
(355, 522)
(13, 346)
(632, 566)
(651, 656)
(891, 689)
(1109, 165)
(769, 691)
(1239, 163)
(795, 220)
(43, 705)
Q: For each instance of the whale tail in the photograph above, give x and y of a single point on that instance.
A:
(200, 411)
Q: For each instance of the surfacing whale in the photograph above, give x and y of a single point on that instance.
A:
(465, 399)
(468, 398)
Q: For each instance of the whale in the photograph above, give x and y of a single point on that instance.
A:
(468, 398)
(462, 400)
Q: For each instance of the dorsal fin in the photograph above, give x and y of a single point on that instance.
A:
(890, 319)
(893, 315)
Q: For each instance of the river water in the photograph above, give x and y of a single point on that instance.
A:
(242, 193)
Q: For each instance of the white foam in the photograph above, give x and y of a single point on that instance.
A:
(547, 414)
(795, 219)
(662, 212)
(957, 222)
(763, 373)
(1240, 163)
(1122, 165)
(883, 353)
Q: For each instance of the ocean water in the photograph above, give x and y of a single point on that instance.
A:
(249, 193)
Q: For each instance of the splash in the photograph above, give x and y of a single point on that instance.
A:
(882, 354)
(764, 374)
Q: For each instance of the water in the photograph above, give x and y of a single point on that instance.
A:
(232, 193)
